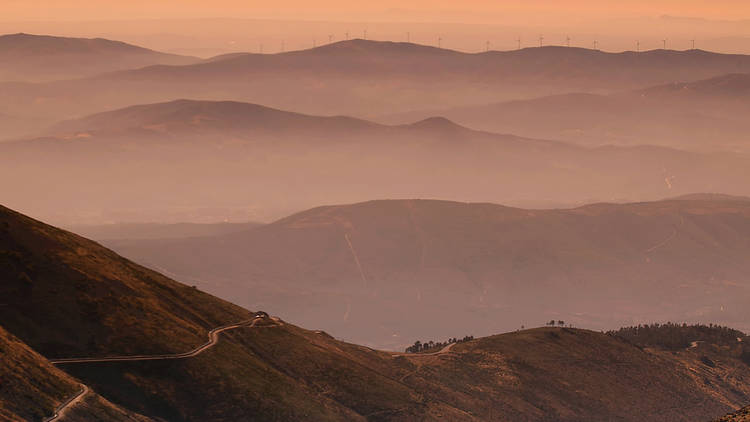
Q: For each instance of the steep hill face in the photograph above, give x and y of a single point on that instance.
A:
(703, 115)
(36, 58)
(237, 155)
(67, 296)
(273, 371)
(383, 272)
(32, 388)
(370, 77)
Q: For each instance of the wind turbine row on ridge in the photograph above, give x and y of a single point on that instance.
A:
(487, 45)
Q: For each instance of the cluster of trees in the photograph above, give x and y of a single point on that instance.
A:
(552, 323)
(420, 347)
(672, 336)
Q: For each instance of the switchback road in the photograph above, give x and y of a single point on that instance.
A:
(213, 339)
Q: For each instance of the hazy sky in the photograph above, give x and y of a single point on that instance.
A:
(470, 11)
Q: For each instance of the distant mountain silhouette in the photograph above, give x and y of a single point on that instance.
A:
(702, 115)
(33, 58)
(276, 161)
(362, 78)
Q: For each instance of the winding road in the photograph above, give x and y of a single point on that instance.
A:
(213, 339)
(66, 405)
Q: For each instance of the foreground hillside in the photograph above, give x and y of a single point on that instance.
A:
(385, 272)
(272, 162)
(273, 371)
(32, 388)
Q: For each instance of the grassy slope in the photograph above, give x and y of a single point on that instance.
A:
(67, 296)
(742, 415)
(30, 388)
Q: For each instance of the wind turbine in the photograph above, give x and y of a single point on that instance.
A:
(365, 35)
(347, 35)
(440, 42)
(487, 46)
(408, 37)
(330, 38)
(638, 46)
(596, 44)
(541, 40)
(693, 41)
(567, 40)
(519, 42)
(664, 43)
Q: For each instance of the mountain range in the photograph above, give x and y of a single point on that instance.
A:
(276, 162)
(363, 77)
(68, 297)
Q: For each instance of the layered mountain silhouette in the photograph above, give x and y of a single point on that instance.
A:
(364, 77)
(69, 297)
(703, 115)
(387, 271)
(36, 58)
(277, 162)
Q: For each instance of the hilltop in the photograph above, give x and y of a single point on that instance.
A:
(35, 58)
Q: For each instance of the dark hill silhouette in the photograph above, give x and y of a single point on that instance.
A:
(275, 372)
(28, 57)
(359, 77)
(402, 268)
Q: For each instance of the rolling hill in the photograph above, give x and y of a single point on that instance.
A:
(384, 272)
(361, 77)
(704, 115)
(37, 58)
(239, 155)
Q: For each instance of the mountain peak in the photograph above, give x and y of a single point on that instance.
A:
(437, 124)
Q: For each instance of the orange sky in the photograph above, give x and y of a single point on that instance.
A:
(467, 11)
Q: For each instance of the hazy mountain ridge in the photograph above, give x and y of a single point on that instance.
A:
(704, 115)
(362, 77)
(36, 58)
(244, 154)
